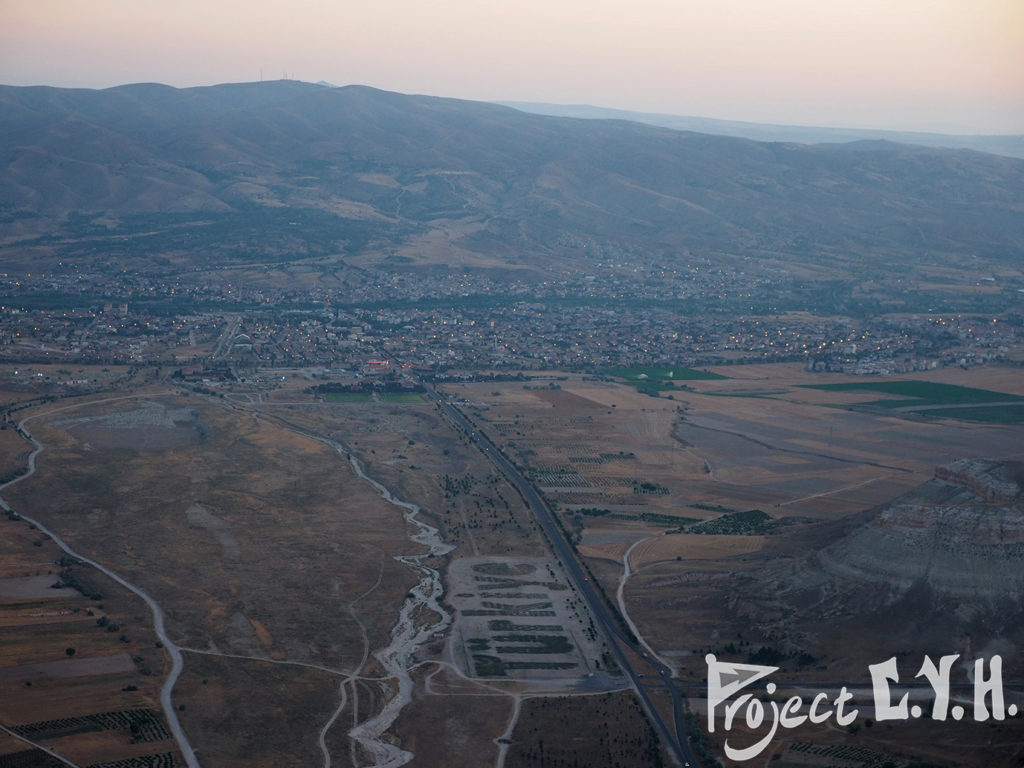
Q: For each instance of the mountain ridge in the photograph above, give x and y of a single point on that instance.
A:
(497, 182)
(1006, 144)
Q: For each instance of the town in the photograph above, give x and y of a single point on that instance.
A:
(469, 322)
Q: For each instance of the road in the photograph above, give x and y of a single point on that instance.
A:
(226, 337)
(617, 639)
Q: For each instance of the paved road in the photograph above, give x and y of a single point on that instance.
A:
(617, 639)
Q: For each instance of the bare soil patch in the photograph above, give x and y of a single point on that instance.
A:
(34, 587)
(152, 426)
(694, 547)
(236, 709)
(65, 668)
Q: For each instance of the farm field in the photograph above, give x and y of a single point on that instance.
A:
(559, 731)
(77, 675)
(401, 397)
(924, 393)
(937, 400)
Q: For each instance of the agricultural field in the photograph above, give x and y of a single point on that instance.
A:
(937, 400)
(584, 730)
(80, 672)
(401, 397)
(921, 393)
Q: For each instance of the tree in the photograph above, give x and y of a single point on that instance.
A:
(70, 652)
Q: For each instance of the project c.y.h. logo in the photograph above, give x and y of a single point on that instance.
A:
(726, 680)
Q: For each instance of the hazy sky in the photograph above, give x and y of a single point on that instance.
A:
(944, 65)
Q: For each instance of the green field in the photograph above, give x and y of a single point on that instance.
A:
(995, 414)
(929, 399)
(488, 666)
(401, 397)
(348, 397)
(662, 374)
(919, 393)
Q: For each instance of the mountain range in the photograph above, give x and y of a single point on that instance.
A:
(289, 169)
(1011, 145)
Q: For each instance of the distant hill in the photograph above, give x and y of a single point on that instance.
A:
(268, 170)
(1010, 145)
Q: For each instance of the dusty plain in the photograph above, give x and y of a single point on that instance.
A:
(243, 515)
(276, 565)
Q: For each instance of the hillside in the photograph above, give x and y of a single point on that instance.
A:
(934, 566)
(285, 170)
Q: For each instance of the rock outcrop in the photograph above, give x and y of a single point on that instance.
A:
(961, 534)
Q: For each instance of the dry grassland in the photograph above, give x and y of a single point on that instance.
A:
(663, 548)
(412, 450)
(256, 541)
(242, 713)
(14, 452)
(283, 516)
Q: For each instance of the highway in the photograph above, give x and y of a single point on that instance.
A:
(616, 638)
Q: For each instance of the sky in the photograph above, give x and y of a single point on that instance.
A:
(954, 66)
